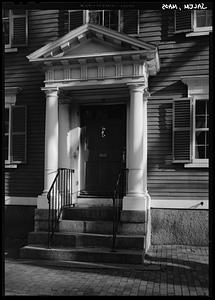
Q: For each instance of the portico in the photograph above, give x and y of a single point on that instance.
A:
(93, 64)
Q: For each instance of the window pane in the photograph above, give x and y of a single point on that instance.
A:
(209, 18)
(203, 18)
(5, 13)
(200, 152)
(201, 144)
(200, 137)
(200, 107)
(6, 111)
(6, 31)
(200, 122)
(111, 19)
(95, 17)
(6, 141)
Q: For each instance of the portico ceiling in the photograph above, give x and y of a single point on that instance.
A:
(93, 52)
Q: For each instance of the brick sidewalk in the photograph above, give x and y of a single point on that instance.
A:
(168, 271)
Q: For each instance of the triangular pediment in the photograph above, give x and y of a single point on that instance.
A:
(89, 40)
(93, 46)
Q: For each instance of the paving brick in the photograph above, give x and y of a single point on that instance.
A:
(182, 270)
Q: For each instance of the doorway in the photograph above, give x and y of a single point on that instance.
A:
(103, 144)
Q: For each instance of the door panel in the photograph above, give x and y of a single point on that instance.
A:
(103, 144)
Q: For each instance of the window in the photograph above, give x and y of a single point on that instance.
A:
(202, 20)
(126, 21)
(15, 134)
(191, 124)
(15, 27)
(15, 129)
(107, 18)
(195, 22)
(200, 130)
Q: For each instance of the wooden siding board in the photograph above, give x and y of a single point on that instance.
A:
(165, 179)
(27, 179)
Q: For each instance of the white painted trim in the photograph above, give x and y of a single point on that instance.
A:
(200, 164)
(76, 32)
(180, 204)
(10, 50)
(30, 201)
(198, 33)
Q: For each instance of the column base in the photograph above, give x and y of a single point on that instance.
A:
(136, 202)
(42, 201)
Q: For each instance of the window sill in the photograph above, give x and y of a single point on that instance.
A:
(197, 165)
(11, 166)
(10, 50)
(198, 33)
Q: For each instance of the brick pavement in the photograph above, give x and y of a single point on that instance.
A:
(168, 270)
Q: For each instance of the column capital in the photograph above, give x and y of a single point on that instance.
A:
(136, 87)
(50, 91)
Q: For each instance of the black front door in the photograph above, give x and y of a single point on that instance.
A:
(103, 146)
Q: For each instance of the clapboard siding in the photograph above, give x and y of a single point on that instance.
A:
(27, 179)
(165, 179)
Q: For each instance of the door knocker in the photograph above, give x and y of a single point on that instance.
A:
(103, 132)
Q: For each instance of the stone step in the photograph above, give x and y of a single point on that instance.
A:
(103, 255)
(88, 213)
(105, 227)
(75, 240)
(94, 201)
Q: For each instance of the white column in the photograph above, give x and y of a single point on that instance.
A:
(51, 143)
(136, 198)
(64, 128)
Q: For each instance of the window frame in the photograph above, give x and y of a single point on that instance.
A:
(10, 103)
(87, 18)
(193, 30)
(10, 18)
(195, 160)
(120, 19)
(10, 161)
(202, 28)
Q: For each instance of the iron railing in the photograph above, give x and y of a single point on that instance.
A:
(119, 191)
(59, 195)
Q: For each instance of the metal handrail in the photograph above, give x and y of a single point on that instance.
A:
(59, 195)
(119, 192)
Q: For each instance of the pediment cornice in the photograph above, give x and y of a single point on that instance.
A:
(93, 52)
(87, 31)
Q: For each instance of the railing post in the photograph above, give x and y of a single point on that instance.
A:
(48, 196)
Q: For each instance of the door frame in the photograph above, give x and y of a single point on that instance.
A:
(82, 166)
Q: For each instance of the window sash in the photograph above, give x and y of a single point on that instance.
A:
(199, 28)
(11, 134)
(198, 129)
(7, 133)
(104, 16)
